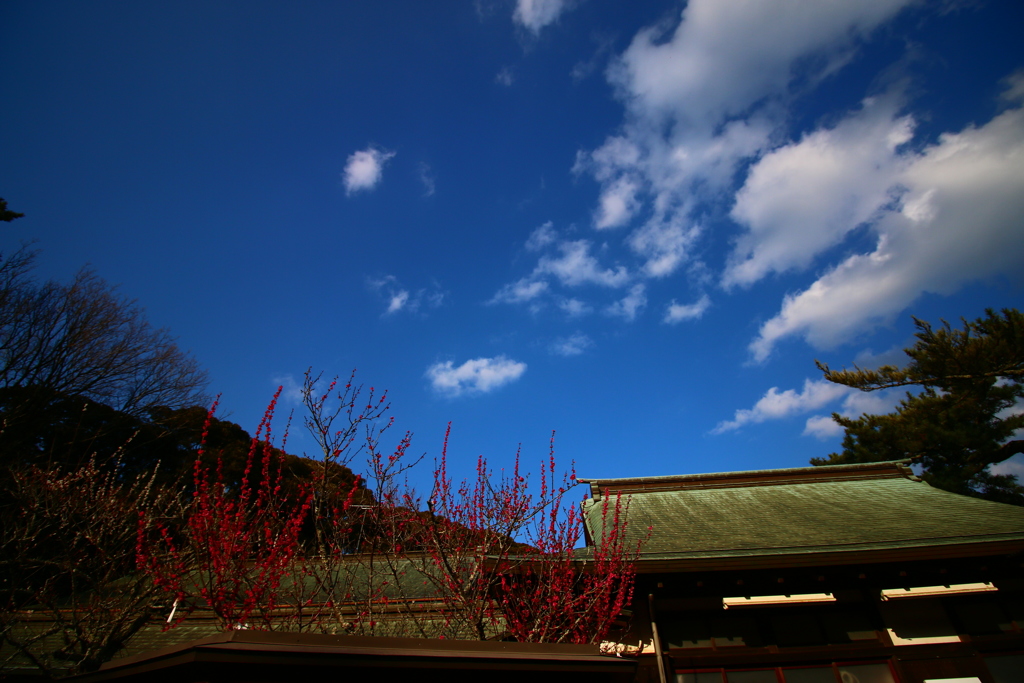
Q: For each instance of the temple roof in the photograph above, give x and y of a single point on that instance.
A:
(803, 516)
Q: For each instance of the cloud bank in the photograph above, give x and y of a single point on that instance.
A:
(957, 220)
(707, 104)
(705, 158)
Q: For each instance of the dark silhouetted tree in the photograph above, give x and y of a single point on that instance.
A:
(6, 214)
(84, 339)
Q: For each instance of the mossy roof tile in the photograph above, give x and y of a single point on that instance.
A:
(806, 510)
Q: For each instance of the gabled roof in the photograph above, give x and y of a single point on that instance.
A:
(803, 516)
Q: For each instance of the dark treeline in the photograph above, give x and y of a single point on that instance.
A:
(47, 429)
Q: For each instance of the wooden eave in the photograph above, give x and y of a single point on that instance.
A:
(262, 655)
(653, 564)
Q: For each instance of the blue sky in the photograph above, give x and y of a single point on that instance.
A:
(637, 224)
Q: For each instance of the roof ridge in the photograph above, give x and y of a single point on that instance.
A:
(815, 473)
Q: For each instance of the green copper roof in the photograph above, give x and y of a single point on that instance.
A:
(877, 506)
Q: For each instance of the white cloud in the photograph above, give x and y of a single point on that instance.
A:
(543, 236)
(364, 168)
(577, 267)
(815, 395)
(618, 203)
(629, 306)
(398, 301)
(536, 14)
(726, 55)
(822, 427)
(871, 402)
(775, 405)
(677, 313)
(525, 289)
(723, 58)
(805, 197)
(958, 221)
(477, 376)
(855, 404)
(571, 346)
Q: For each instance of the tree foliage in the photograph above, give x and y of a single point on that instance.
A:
(966, 415)
(6, 215)
(70, 597)
(487, 558)
(84, 339)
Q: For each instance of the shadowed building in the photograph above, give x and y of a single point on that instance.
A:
(840, 574)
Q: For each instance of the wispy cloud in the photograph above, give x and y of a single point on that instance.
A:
(570, 264)
(291, 390)
(477, 376)
(545, 235)
(630, 305)
(364, 169)
(427, 178)
(575, 308)
(399, 299)
(521, 291)
(677, 313)
(585, 68)
(577, 266)
(1014, 91)
(572, 345)
(505, 77)
(534, 15)
(664, 244)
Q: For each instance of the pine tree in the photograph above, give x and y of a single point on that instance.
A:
(965, 416)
